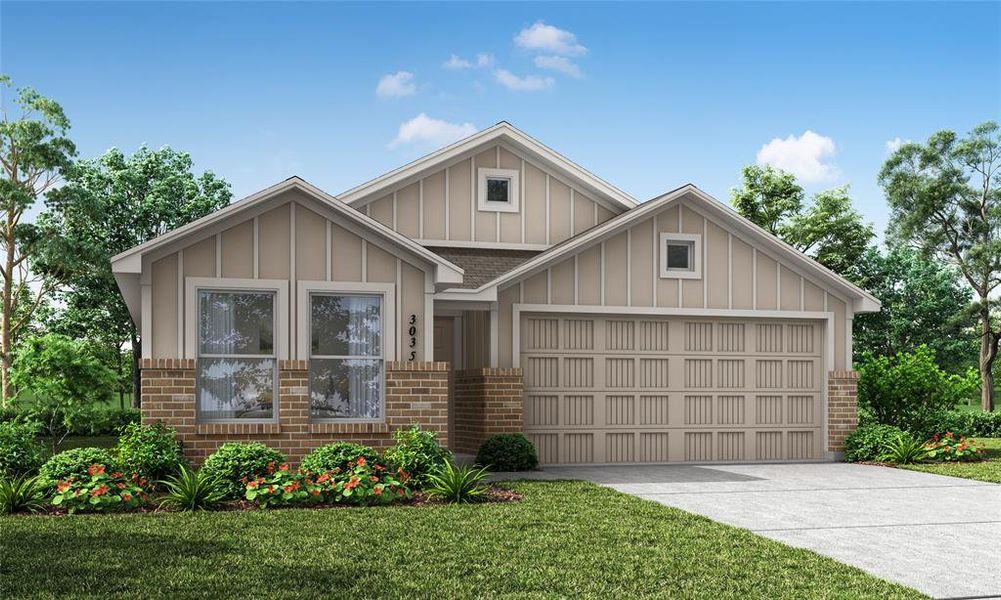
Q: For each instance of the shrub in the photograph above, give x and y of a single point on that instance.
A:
(508, 452)
(952, 448)
(152, 451)
(457, 485)
(20, 493)
(100, 491)
(75, 463)
(20, 452)
(906, 390)
(191, 490)
(361, 482)
(337, 456)
(235, 463)
(418, 453)
(904, 449)
(868, 442)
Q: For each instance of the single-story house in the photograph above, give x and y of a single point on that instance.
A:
(494, 286)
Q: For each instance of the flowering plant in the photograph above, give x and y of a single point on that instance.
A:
(281, 486)
(950, 448)
(100, 491)
(360, 482)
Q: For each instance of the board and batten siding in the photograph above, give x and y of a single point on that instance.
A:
(441, 207)
(289, 242)
(624, 270)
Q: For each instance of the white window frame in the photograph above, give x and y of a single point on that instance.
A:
(388, 340)
(194, 286)
(513, 200)
(695, 240)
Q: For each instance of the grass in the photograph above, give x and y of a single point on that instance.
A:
(989, 470)
(563, 539)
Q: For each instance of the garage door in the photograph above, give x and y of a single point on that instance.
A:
(611, 389)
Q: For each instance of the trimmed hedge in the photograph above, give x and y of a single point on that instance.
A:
(89, 422)
(234, 462)
(507, 452)
(868, 442)
(964, 423)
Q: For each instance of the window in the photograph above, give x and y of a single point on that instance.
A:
(680, 255)
(346, 332)
(498, 190)
(236, 358)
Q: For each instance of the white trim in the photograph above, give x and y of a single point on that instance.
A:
(229, 284)
(548, 211)
(420, 207)
(629, 267)
(291, 270)
(257, 248)
(395, 228)
(218, 255)
(576, 283)
(695, 240)
(329, 246)
(180, 299)
(472, 197)
(364, 260)
(448, 226)
(146, 300)
(754, 279)
(705, 260)
(573, 223)
(387, 290)
(475, 244)
(653, 259)
(601, 265)
(522, 192)
(729, 270)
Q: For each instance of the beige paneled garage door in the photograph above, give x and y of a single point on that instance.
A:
(611, 389)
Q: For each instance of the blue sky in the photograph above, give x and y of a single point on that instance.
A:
(648, 96)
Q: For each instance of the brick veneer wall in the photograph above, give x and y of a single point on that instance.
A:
(416, 392)
(842, 407)
(487, 402)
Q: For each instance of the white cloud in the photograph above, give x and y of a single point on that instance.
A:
(396, 85)
(805, 156)
(559, 63)
(528, 83)
(422, 129)
(895, 144)
(457, 63)
(546, 38)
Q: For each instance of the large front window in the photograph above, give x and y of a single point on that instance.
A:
(236, 355)
(345, 356)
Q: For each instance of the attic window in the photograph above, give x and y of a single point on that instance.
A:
(498, 190)
(680, 256)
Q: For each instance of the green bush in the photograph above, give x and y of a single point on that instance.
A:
(190, 491)
(76, 463)
(20, 451)
(508, 452)
(20, 493)
(233, 464)
(457, 485)
(904, 449)
(868, 442)
(54, 421)
(908, 389)
(151, 451)
(418, 453)
(337, 456)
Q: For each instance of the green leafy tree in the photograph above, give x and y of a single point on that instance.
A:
(923, 304)
(945, 197)
(829, 230)
(113, 203)
(34, 258)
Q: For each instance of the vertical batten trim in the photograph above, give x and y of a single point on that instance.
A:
(180, 302)
(146, 312)
(521, 199)
(778, 285)
(729, 270)
(293, 351)
(328, 264)
(825, 301)
(364, 260)
(654, 244)
(754, 278)
(549, 286)
(400, 348)
(594, 206)
(548, 237)
(394, 215)
(629, 267)
(573, 223)
(802, 293)
(447, 210)
(705, 262)
(420, 208)
(474, 201)
(257, 249)
(218, 255)
(576, 283)
(601, 266)
(680, 216)
(494, 331)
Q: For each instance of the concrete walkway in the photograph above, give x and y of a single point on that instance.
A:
(940, 535)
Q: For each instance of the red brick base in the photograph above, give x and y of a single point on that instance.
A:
(842, 407)
(416, 393)
(487, 402)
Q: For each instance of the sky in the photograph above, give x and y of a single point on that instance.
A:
(648, 96)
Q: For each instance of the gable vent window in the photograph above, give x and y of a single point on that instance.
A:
(680, 256)
(498, 190)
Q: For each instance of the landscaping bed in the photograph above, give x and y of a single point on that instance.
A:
(986, 470)
(563, 539)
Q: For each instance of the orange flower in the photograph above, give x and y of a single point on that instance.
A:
(377, 491)
(126, 496)
(100, 491)
(352, 484)
(95, 470)
(284, 467)
(117, 474)
(361, 461)
(120, 485)
(62, 486)
(252, 485)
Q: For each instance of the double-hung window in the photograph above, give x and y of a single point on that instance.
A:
(236, 356)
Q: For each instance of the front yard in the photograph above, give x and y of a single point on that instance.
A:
(989, 470)
(563, 539)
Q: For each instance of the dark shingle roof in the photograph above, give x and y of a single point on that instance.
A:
(483, 264)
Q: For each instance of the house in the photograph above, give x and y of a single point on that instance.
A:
(494, 286)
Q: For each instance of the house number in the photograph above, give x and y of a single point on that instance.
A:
(412, 332)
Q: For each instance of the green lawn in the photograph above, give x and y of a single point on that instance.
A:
(564, 539)
(989, 470)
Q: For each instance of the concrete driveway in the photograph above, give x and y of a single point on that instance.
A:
(940, 535)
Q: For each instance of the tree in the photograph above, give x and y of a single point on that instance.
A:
(33, 258)
(923, 304)
(111, 204)
(945, 197)
(829, 230)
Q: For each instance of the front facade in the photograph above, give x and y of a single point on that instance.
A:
(494, 286)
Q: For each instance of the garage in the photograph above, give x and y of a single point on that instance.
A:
(612, 388)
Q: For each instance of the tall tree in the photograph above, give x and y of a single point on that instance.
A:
(945, 197)
(829, 230)
(34, 150)
(924, 303)
(116, 202)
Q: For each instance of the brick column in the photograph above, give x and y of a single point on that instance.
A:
(417, 394)
(487, 402)
(168, 393)
(842, 407)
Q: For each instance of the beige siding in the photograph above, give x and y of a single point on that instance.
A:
(476, 339)
(442, 205)
(350, 259)
(623, 270)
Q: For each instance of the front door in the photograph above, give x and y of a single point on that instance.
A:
(444, 350)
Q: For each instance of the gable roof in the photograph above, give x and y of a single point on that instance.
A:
(862, 300)
(501, 132)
